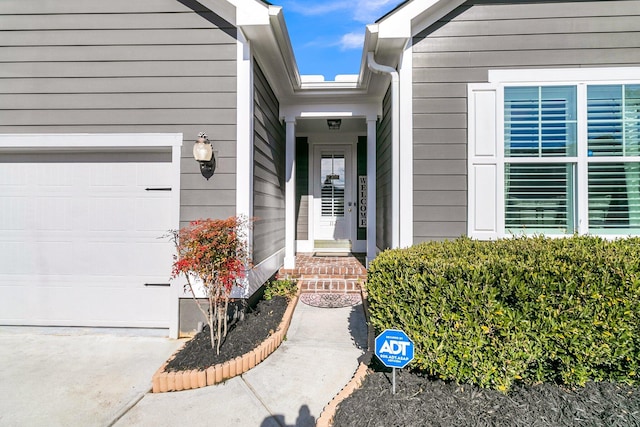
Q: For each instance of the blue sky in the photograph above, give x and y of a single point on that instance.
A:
(327, 36)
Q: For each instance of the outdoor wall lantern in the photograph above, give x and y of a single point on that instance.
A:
(203, 153)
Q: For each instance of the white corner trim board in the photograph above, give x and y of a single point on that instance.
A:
(406, 147)
(244, 130)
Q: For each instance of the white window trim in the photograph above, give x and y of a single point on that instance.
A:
(565, 75)
(581, 78)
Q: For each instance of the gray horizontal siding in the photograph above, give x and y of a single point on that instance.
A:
(268, 171)
(77, 18)
(172, 52)
(383, 176)
(100, 85)
(80, 7)
(117, 69)
(144, 66)
(483, 35)
(115, 37)
(126, 116)
(106, 101)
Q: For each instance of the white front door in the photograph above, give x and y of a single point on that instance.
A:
(332, 182)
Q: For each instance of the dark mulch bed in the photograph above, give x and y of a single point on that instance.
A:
(242, 337)
(420, 401)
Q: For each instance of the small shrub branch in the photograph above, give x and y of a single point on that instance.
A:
(216, 252)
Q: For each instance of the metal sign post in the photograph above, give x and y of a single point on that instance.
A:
(395, 350)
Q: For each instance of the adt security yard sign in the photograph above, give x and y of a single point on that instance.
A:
(395, 350)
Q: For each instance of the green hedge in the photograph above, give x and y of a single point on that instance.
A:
(530, 309)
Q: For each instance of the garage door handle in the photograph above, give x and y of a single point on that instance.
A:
(158, 284)
(158, 189)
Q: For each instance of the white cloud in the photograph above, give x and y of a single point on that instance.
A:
(367, 11)
(351, 41)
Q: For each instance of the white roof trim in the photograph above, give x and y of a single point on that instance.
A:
(414, 17)
(251, 12)
(398, 24)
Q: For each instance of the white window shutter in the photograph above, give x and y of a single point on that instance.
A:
(484, 170)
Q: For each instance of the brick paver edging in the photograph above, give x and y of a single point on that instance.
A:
(329, 411)
(186, 380)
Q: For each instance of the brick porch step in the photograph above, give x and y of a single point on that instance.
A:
(327, 274)
(330, 285)
(310, 275)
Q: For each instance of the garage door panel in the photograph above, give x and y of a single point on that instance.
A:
(13, 213)
(110, 259)
(50, 175)
(18, 258)
(158, 219)
(111, 214)
(53, 213)
(149, 252)
(12, 175)
(78, 242)
(54, 258)
(14, 301)
(112, 175)
(154, 175)
(64, 303)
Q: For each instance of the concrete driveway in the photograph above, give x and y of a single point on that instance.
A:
(74, 376)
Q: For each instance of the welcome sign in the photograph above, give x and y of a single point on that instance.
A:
(362, 201)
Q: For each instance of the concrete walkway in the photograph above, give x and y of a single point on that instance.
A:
(290, 388)
(96, 377)
(75, 376)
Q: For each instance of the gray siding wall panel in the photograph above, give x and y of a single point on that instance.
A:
(100, 85)
(173, 52)
(148, 66)
(111, 69)
(383, 176)
(268, 171)
(74, 18)
(483, 35)
(222, 101)
(79, 7)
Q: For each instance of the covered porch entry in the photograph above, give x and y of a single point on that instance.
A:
(331, 183)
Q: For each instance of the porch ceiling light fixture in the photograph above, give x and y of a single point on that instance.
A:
(334, 124)
(203, 153)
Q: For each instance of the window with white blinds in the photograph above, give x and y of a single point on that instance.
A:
(332, 171)
(540, 123)
(539, 197)
(548, 167)
(613, 122)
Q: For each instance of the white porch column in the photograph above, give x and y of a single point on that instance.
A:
(371, 188)
(290, 199)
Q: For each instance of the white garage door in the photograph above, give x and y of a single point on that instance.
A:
(80, 240)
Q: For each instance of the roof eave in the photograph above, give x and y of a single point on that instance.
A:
(391, 34)
(268, 35)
